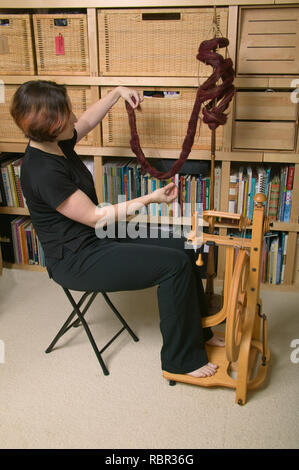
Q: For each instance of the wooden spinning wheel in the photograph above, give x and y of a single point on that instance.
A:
(236, 307)
(241, 306)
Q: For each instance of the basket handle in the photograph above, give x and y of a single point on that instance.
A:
(161, 16)
(161, 94)
(4, 22)
(60, 21)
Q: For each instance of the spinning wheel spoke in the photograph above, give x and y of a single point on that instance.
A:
(236, 306)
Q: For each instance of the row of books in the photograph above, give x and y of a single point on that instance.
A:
(10, 188)
(19, 242)
(274, 252)
(124, 180)
(274, 257)
(275, 183)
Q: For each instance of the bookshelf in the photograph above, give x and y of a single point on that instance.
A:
(237, 148)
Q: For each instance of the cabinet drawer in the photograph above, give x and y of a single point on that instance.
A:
(9, 131)
(264, 135)
(80, 96)
(61, 43)
(268, 41)
(265, 106)
(16, 48)
(156, 42)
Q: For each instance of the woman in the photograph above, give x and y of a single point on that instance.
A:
(63, 205)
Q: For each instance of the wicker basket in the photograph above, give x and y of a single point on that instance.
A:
(162, 123)
(61, 44)
(81, 98)
(154, 43)
(9, 131)
(16, 49)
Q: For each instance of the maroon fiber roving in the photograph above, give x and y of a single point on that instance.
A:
(213, 114)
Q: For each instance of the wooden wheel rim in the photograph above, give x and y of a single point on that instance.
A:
(236, 306)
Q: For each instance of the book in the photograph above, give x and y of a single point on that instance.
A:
(278, 266)
(241, 190)
(249, 176)
(284, 255)
(287, 207)
(245, 196)
(290, 177)
(233, 193)
(19, 241)
(274, 198)
(261, 183)
(251, 197)
(13, 185)
(207, 198)
(271, 267)
(217, 188)
(8, 191)
(7, 239)
(282, 190)
(16, 167)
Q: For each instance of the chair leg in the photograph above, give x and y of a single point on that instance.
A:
(121, 319)
(88, 332)
(80, 314)
(66, 326)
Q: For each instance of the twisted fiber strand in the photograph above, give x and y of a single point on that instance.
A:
(213, 116)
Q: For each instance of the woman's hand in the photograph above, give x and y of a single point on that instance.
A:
(166, 194)
(130, 95)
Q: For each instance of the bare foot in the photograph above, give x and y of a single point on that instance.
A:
(205, 371)
(216, 341)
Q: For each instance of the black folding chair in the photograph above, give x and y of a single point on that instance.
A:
(81, 320)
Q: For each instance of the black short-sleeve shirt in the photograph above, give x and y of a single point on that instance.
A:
(47, 180)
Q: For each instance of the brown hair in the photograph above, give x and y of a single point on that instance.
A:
(40, 108)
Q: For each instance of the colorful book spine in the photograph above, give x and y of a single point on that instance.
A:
(288, 205)
(251, 198)
(278, 267)
(274, 199)
(284, 256)
(233, 193)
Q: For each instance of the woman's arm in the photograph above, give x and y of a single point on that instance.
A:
(80, 208)
(97, 111)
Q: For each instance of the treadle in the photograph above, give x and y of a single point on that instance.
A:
(222, 378)
(217, 355)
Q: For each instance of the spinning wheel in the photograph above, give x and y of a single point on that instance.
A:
(236, 307)
(241, 307)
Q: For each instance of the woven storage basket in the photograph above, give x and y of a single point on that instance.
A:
(162, 123)
(9, 131)
(61, 44)
(150, 42)
(268, 41)
(16, 49)
(81, 99)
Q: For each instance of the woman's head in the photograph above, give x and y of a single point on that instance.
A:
(42, 110)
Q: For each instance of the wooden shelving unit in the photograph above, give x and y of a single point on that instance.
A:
(226, 157)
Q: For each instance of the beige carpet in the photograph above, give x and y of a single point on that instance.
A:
(62, 400)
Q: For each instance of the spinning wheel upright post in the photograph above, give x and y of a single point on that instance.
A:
(209, 291)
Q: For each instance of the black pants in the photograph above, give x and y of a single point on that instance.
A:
(123, 264)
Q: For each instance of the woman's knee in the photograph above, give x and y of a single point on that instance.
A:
(181, 262)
